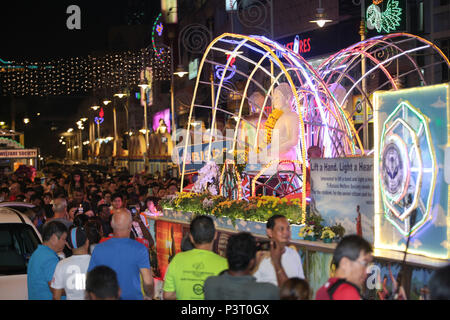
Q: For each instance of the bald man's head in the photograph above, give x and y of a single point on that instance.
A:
(59, 205)
(121, 220)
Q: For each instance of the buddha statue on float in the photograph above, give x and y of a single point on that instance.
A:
(282, 126)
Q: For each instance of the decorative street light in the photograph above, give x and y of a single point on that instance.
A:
(321, 17)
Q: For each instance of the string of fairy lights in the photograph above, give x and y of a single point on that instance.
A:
(80, 74)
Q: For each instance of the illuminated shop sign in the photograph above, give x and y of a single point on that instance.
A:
(298, 45)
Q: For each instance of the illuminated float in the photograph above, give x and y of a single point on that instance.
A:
(410, 197)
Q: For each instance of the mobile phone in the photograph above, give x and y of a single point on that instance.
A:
(263, 245)
(133, 210)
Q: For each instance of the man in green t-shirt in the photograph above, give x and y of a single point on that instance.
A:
(188, 270)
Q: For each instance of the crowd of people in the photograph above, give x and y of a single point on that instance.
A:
(97, 245)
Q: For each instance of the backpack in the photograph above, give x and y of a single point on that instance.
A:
(332, 289)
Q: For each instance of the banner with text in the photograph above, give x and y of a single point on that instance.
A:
(18, 153)
(342, 189)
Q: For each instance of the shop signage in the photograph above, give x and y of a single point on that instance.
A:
(193, 69)
(18, 153)
(298, 45)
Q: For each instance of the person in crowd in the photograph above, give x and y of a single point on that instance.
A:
(43, 261)
(29, 192)
(440, 284)
(176, 284)
(104, 213)
(60, 212)
(237, 283)
(162, 193)
(295, 289)
(139, 228)
(143, 193)
(20, 198)
(76, 182)
(14, 191)
(116, 202)
(80, 220)
(313, 152)
(70, 273)
(173, 189)
(4, 194)
(79, 201)
(112, 187)
(283, 262)
(106, 198)
(47, 198)
(351, 258)
(73, 210)
(39, 213)
(94, 232)
(60, 188)
(128, 258)
(155, 189)
(151, 205)
(186, 243)
(36, 200)
(102, 284)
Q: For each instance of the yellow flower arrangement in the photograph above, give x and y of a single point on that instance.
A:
(306, 231)
(270, 123)
(327, 233)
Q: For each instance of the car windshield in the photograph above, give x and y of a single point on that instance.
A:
(17, 243)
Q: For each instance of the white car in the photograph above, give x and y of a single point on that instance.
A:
(18, 240)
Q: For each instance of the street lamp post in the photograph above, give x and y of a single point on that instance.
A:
(143, 84)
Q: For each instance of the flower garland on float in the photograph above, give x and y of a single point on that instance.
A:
(270, 123)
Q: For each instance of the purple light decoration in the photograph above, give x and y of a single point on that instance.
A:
(220, 72)
(99, 120)
(159, 29)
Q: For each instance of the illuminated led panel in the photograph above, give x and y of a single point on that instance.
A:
(407, 166)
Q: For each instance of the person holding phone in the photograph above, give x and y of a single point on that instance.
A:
(283, 262)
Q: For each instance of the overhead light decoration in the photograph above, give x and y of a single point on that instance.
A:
(100, 118)
(81, 74)
(321, 17)
(106, 102)
(384, 21)
(159, 29)
(180, 71)
(70, 130)
(26, 120)
(95, 108)
(220, 69)
(143, 84)
(120, 95)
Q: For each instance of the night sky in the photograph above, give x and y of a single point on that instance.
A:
(37, 31)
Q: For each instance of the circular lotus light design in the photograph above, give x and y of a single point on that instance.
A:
(407, 168)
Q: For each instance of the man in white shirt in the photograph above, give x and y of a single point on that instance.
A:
(70, 273)
(282, 262)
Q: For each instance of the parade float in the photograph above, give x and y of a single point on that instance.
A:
(394, 194)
